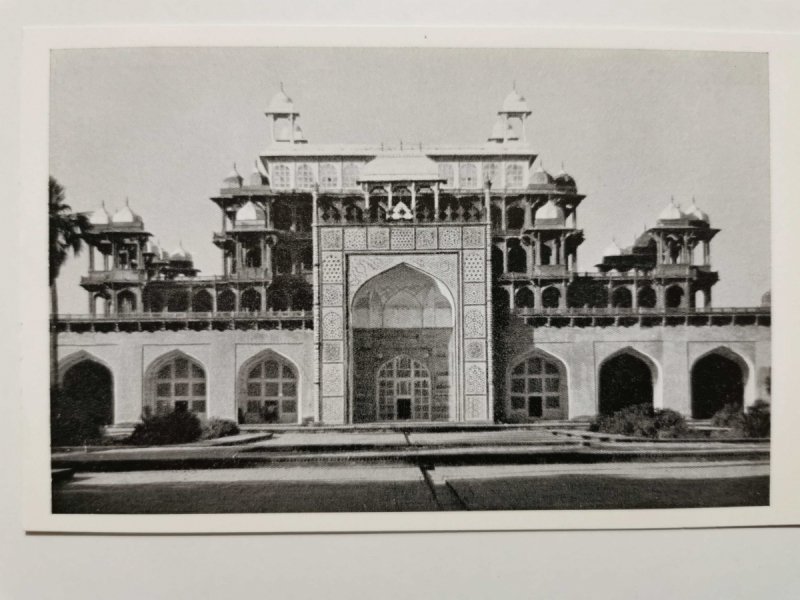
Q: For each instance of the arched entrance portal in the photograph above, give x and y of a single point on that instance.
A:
(85, 402)
(717, 380)
(625, 380)
(402, 337)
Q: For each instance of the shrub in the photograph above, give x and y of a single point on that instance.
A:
(755, 422)
(758, 420)
(729, 415)
(177, 427)
(642, 420)
(216, 428)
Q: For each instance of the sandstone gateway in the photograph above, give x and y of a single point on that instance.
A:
(414, 283)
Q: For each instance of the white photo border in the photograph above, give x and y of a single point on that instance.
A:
(784, 76)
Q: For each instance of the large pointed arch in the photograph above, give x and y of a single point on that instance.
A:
(628, 377)
(718, 377)
(402, 311)
(85, 399)
(175, 381)
(537, 386)
(268, 389)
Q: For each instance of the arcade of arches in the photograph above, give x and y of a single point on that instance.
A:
(402, 336)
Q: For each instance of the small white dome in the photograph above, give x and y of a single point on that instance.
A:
(550, 211)
(541, 176)
(564, 179)
(125, 216)
(100, 216)
(612, 249)
(234, 179)
(515, 103)
(250, 211)
(180, 254)
(281, 104)
(695, 213)
(671, 212)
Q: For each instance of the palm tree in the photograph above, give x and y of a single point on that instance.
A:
(66, 233)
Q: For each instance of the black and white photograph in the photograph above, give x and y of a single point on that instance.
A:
(374, 280)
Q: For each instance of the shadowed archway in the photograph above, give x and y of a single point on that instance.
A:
(718, 380)
(626, 379)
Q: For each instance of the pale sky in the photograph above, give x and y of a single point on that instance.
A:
(163, 126)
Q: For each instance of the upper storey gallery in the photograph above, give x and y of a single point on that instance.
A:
(291, 163)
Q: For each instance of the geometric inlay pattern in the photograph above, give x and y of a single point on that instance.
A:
(378, 238)
(426, 238)
(331, 239)
(331, 295)
(332, 267)
(332, 351)
(474, 265)
(475, 379)
(475, 293)
(474, 237)
(355, 238)
(449, 237)
(332, 324)
(332, 380)
(402, 238)
(475, 349)
(474, 322)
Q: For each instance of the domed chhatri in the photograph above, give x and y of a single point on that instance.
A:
(564, 179)
(671, 212)
(250, 212)
(234, 179)
(550, 212)
(100, 216)
(694, 213)
(541, 177)
(515, 103)
(180, 254)
(125, 216)
(281, 104)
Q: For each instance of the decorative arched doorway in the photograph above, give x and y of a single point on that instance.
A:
(401, 340)
(85, 402)
(537, 388)
(268, 390)
(718, 380)
(626, 379)
(175, 382)
(404, 390)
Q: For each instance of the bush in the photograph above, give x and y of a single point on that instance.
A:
(216, 428)
(729, 415)
(642, 420)
(177, 427)
(756, 422)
